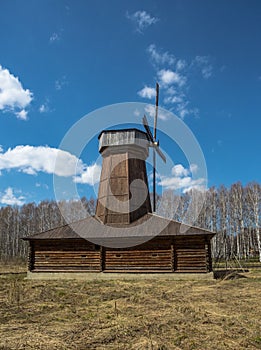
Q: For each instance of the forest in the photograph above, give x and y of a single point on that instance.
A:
(233, 213)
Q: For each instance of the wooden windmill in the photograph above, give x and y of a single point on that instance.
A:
(124, 235)
(154, 143)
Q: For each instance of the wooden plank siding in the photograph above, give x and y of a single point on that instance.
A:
(160, 254)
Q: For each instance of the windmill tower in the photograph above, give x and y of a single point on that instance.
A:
(123, 192)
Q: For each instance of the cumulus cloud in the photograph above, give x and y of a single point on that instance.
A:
(182, 179)
(150, 111)
(31, 160)
(160, 58)
(142, 20)
(147, 92)
(22, 114)
(174, 76)
(13, 97)
(9, 198)
(91, 175)
(179, 170)
(168, 77)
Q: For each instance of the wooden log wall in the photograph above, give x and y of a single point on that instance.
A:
(161, 254)
(190, 254)
(154, 255)
(66, 256)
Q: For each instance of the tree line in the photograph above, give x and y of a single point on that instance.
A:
(233, 213)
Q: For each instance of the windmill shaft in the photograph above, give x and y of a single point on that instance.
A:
(154, 180)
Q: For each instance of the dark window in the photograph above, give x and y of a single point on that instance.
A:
(118, 255)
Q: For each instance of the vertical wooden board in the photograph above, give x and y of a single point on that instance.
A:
(118, 165)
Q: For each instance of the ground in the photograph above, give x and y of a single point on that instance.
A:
(80, 315)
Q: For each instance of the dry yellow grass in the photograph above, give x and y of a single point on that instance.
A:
(130, 314)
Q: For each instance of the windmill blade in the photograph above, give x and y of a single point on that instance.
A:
(146, 126)
(161, 154)
(156, 111)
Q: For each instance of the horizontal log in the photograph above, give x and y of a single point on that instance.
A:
(68, 256)
(138, 256)
(137, 268)
(62, 266)
(141, 259)
(53, 269)
(137, 265)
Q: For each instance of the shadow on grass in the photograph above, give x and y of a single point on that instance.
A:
(229, 274)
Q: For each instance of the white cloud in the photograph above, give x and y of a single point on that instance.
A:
(193, 168)
(1, 149)
(183, 110)
(175, 82)
(142, 20)
(159, 57)
(171, 91)
(43, 108)
(137, 113)
(182, 180)
(147, 92)
(60, 83)
(54, 37)
(173, 99)
(150, 110)
(203, 63)
(9, 198)
(13, 97)
(168, 77)
(91, 175)
(31, 160)
(180, 65)
(179, 170)
(37, 184)
(207, 72)
(22, 114)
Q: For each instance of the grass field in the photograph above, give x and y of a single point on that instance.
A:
(216, 314)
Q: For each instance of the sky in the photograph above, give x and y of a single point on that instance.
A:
(61, 60)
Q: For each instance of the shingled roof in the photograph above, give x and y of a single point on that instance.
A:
(149, 225)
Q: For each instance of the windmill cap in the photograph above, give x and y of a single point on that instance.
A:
(123, 137)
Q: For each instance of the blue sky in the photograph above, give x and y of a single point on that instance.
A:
(61, 60)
